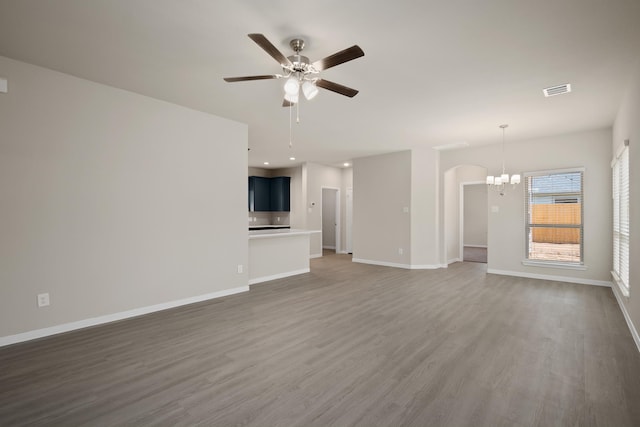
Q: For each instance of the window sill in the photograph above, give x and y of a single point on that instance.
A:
(621, 287)
(548, 264)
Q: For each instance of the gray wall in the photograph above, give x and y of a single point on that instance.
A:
(395, 209)
(475, 215)
(347, 182)
(627, 126)
(424, 208)
(112, 201)
(451, 219)
(381, 190)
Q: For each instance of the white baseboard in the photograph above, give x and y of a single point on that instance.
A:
(94, 321)
(315, 256)
(278, 276)
(475, 246)
(427, 266)
(623, 308)
(551, 277)
(333, 248)
(382, 263)
(342, 252)
(451, 261)
(397, 265)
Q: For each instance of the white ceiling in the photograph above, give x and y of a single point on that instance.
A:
(434, 73)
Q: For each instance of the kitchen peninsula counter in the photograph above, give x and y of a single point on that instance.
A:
(278, 253)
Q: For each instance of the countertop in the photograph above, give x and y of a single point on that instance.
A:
(261, 234)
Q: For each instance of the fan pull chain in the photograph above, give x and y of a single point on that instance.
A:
(298, 112)
(290, 131)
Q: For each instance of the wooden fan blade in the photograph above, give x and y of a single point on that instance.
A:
(270, 49)
(247, 78)
(338, 58)
(337, 88)
(286, 103)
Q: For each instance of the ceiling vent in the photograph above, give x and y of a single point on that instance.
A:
(557, 90)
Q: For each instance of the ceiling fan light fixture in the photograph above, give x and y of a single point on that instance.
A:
(292, 86)
(309, 89)
(300, 72)
(292, 98)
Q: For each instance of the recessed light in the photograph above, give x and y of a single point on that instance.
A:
(265, 163)
(346, 164)
(292, 158)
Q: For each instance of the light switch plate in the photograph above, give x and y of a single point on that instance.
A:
(4, 85)
(495, 209)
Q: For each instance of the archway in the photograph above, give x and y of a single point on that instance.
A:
(455, 179)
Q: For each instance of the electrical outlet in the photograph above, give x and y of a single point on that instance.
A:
(240, 268)
(43, 300)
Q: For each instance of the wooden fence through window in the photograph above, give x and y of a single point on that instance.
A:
(560, 214)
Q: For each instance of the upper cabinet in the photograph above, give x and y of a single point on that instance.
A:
(269, 194)
(280, 194)
(259, 194)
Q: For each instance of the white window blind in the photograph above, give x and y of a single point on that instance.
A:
(554, 216)
(621, 220)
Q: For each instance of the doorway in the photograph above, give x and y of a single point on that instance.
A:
(330, 219)
(473, 221)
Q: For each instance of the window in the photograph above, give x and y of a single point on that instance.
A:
(621, 220)
(554, 212)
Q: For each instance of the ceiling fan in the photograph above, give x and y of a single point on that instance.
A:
(300, 72)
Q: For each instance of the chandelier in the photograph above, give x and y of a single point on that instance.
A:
(499, 182)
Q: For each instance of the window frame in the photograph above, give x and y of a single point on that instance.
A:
(579, 265)
(619, 171)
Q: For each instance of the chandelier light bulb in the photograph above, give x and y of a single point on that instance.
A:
(309, 89)
(292, 86)
(292, 98)
(498, 182)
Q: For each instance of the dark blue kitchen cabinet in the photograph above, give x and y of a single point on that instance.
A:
(259, 194)
(280, 194)
(269, 194)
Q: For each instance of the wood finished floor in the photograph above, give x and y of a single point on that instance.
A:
(473, 254)
(345, 345)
